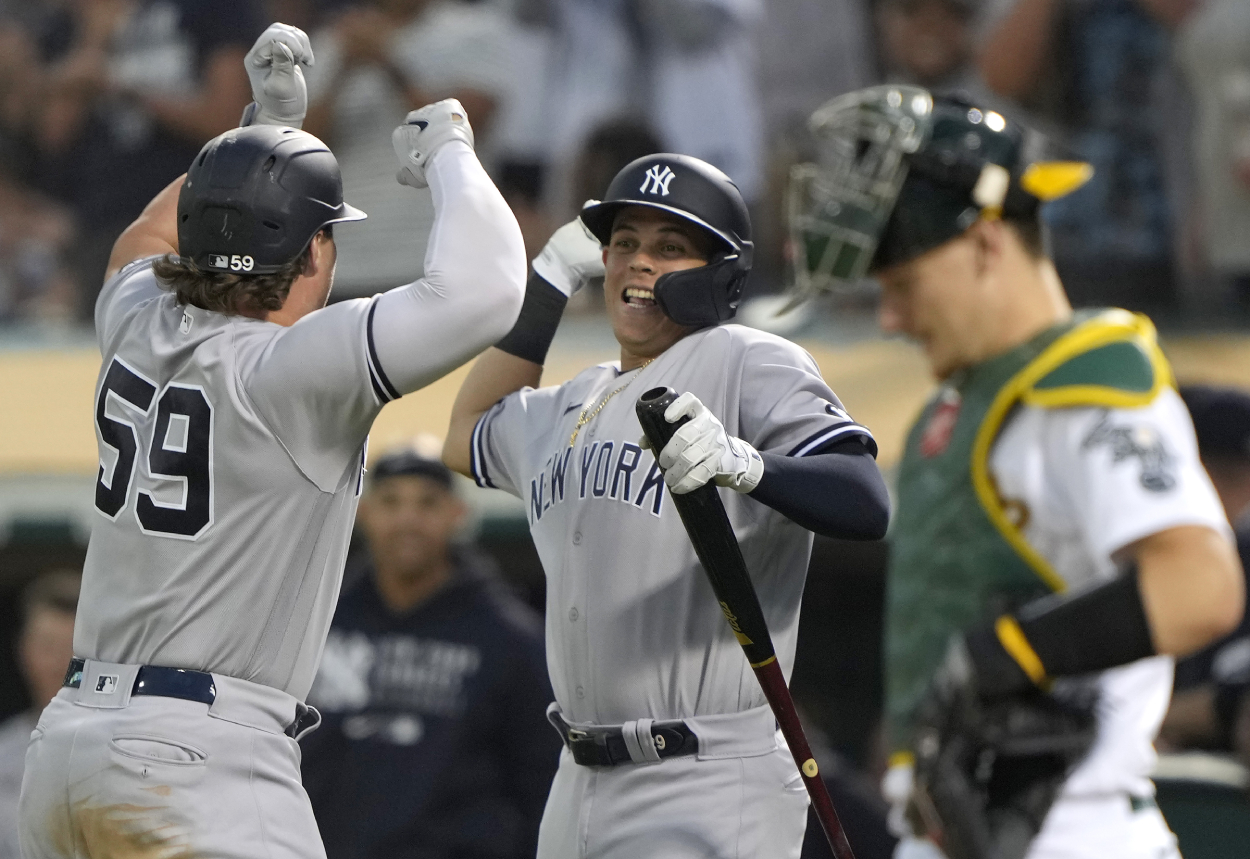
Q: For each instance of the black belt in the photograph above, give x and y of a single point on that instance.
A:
(185, 684)
(156, 680)
(605, 747)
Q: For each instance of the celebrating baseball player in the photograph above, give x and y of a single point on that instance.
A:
(232, 413)
(1056, 540)
(670, 748)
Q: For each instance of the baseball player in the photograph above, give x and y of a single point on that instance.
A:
(670, 748)
(1054, 521)
(232, 413)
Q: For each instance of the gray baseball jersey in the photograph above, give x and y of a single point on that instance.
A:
(633, 628)
(231, 449)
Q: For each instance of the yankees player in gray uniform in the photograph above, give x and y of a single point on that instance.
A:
(671, 749)
(232, 413)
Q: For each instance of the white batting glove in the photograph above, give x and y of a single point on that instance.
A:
(570, 258)
(701, 451)
(279, 93)
(423, 132)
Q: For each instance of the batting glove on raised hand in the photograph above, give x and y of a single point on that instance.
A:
(570, 258)
(701, 450)
(279, 93)
(424, 131)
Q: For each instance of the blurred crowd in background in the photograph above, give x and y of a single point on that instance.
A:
(103, 102)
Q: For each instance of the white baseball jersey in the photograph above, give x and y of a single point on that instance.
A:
(1091, 481)
(633, 628)
(231, 449)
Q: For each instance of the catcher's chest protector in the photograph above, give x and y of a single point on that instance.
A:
(957, 555)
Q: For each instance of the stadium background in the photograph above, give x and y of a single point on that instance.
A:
(697, 73)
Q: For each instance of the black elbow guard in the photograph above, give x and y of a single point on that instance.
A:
(1098, 628)
(535, 327)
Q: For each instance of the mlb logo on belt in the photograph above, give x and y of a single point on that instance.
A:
(106, 683)
(657, 180)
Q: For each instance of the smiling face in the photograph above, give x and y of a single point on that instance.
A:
(645, 244)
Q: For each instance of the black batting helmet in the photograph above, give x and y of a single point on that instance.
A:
(255, 197)
(697, 192)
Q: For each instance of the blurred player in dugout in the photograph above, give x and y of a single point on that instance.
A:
(45, 643)
(1056, 540)
(433, 690)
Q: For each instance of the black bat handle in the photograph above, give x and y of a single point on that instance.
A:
(712, 535)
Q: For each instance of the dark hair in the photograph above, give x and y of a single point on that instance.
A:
(409, 463)
(56, 590)
(229, 293)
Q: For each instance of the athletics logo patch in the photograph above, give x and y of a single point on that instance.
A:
(1140, 442)
(657, 180)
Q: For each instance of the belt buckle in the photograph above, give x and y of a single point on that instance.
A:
(589, 748)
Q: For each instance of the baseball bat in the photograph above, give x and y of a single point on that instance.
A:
(708, 525)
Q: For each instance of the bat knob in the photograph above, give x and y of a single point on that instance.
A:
(650, 408)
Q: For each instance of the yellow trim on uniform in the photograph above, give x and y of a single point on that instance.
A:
(1113, 326)
(1017, 645)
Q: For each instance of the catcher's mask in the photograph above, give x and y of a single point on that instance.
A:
(899, 172)
(696, 192)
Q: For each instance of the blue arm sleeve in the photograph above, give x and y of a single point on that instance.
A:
(836, 493)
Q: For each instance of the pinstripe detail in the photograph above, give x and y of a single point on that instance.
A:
(820, 439)
(381, 385)
(477, 456)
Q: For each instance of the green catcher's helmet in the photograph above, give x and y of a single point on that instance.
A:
(900, 171)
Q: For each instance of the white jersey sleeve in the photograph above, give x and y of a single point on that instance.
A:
(498, 447)
(1090, 481)
(786, 407)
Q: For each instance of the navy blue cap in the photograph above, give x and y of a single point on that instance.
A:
(1221, 418)
(409, 463)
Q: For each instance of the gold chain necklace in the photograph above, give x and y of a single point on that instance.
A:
(587, 415)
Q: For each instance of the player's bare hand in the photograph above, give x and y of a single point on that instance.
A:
(571, 257)
(275, 68)
(424, 131)
(701, 450)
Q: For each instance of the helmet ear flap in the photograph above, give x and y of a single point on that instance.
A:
(703, 296)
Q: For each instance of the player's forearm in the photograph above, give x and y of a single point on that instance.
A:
(473, 285)
(1011, 58)
(1183, 590)
(475, 244)
(154, 232)
(837, 495)
(1192, 587)
(495, 375)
